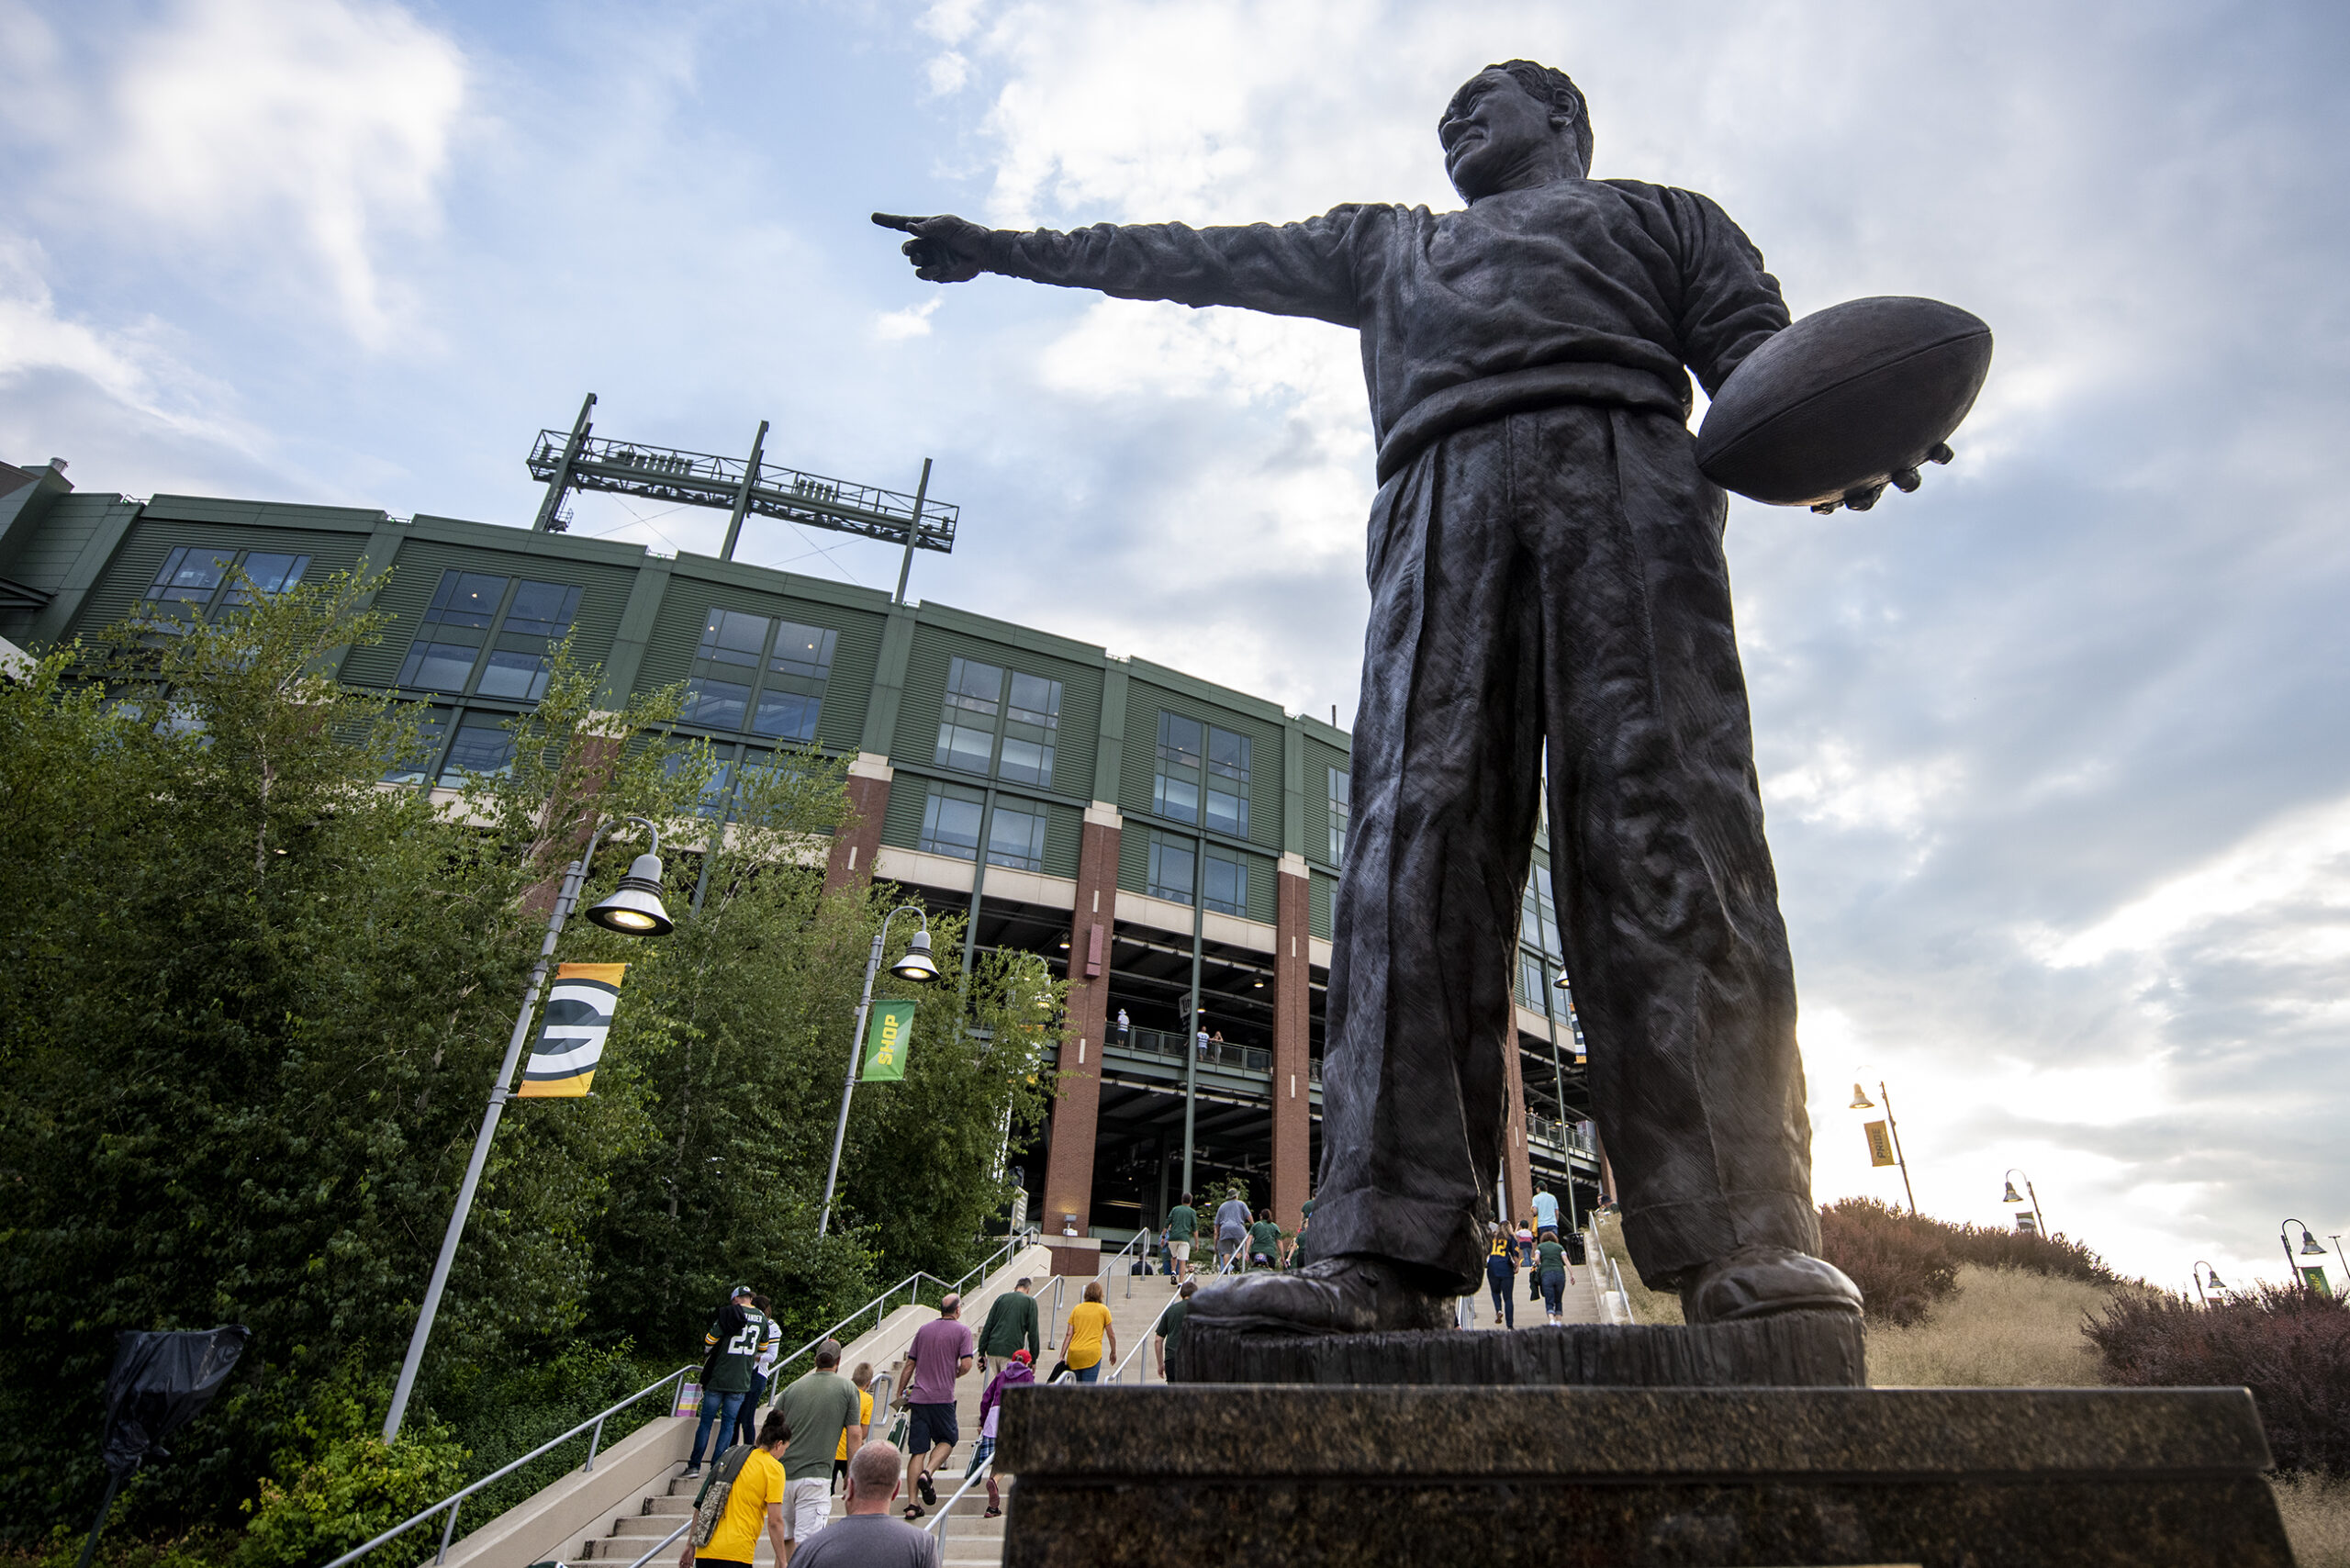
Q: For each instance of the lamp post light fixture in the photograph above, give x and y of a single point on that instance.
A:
(1860, 1101)
(2311, 1248)
(2207, 1275)
(632, 910)
(2040, 1224)
(917, 967)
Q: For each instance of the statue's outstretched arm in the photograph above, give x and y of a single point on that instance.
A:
(1287, 269)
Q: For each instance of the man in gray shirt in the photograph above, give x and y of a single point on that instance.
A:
(865, 1536)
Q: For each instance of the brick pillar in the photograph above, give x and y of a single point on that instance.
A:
(1077, 1105)
(859, 838)
(1517, 1169)
(1293, 1041)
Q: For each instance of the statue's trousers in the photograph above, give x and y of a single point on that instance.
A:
(1551, 587)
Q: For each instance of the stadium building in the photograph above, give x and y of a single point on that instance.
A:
(1159, 837)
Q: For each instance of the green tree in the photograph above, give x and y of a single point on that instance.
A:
(251, 1003)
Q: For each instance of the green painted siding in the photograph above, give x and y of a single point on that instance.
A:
(1134, 858)
(1320, 759)
(901, 823)
(69, 524)
(603, 595)
(1261, 893)
(1064, 835)
(1320, 895)
(132, 571)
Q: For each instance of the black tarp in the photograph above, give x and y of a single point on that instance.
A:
(162, 1380)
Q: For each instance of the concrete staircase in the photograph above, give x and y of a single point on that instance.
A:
(1578, 1303)
(972, 1540)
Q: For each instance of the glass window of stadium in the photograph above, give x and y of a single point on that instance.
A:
(489, 635)
(195, 580)
(984, 729)
(1200, 761)
(759, 673)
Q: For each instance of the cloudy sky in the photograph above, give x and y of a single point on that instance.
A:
(2054, 751)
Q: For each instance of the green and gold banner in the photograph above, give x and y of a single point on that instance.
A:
(888, 1035)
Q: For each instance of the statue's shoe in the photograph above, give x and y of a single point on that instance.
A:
(1763, 1282)
(1356, 1294)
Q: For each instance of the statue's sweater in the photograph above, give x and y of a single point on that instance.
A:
(1579, 291)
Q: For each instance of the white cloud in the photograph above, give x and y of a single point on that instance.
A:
(913, 321)
(127, 367)
(247, 126)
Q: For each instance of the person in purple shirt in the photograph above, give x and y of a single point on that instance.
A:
(1549, 592)
(942, 1351)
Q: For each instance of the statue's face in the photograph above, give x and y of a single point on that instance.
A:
(1497, 137)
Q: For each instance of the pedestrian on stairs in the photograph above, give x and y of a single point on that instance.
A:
(770, 1350)
(941, 1352)
(1170, 1322)
(1089, 1327)
(1231, 1230)
(754, 1501)
(1550, 1260)
(865, 1536)
(1264, 1242)
(730, 1355)
(1182, 1224)
(823, 1412)
(863, 1378)
(1017, 1374)
(1012, 1323)
(1501, 1275)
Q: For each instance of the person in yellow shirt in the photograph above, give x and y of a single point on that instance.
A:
(863, 1378)
(757, 1498)
(1088, 1328)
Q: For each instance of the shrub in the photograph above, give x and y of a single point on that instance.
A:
(1903, 1264)
(343, 1483)
(2288, 1344)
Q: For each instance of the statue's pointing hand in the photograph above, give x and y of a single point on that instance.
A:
(943, 249)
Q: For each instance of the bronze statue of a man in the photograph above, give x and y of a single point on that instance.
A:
(1547, 585)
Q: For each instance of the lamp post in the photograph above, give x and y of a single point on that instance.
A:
(1860, 1101)
(634, 909)
(2338, 1252)
(2040, 1224)
(916, 967)
(2207, 1275)
(2310, 1249)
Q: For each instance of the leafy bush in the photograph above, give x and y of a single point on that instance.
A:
(2286, 1343)
(341, 1482)
(1903, 1264)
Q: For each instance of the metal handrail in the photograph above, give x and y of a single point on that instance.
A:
(659, 1545)
(1144, 1338)
(1102, 1271)
(456, 1500)
(979, 1471)
(1012, 1243)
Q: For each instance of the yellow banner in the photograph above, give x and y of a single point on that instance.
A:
(1880, 1143)
(571, 1031)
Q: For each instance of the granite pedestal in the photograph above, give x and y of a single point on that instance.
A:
(1571, 1476)
(1795, 1350)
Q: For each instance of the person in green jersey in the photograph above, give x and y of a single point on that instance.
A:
(823, 1410)
(1550, 1268)
(1011, 1326)
(1182, 1224)
(1264, 1242)
(730, 1360)
(1170, 1322)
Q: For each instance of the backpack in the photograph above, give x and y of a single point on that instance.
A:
(710, 1503)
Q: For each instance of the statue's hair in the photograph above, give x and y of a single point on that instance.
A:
(1546, 85)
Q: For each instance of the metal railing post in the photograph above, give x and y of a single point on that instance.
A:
(448, 1532)
(594, 1442)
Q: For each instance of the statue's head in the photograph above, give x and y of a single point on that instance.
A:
(1513, 125)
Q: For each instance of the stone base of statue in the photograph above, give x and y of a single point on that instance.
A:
(1304, 1472)
(1806, 1350)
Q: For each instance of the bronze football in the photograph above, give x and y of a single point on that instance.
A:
(1845, 401)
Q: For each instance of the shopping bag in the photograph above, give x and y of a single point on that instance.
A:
(688, 1400)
